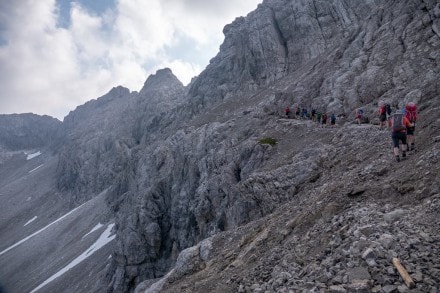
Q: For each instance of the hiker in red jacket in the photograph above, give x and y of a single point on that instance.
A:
(287, 111)
(411, 115)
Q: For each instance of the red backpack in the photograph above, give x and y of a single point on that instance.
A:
(411, 112)
(382, 110)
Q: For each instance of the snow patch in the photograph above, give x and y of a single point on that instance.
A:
(99, 225)
(30, 221)
(104, 239)
(39, 231)
(31, 156)
(35, 169)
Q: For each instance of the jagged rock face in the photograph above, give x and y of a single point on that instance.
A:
(196, 183)
(27, 131)
(100, 135)
(342, 54)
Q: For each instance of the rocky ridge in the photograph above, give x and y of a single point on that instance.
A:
(27, 131)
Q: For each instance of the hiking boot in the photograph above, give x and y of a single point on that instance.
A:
(397, 158)
(403, 154)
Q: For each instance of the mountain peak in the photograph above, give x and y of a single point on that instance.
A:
(163, 78)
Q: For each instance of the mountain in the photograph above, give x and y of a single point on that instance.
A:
(211, 189)
(19, 131)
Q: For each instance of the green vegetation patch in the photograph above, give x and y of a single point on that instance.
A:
(268, 140)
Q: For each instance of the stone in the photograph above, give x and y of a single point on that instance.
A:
(394, 215)
(389, 289)
(402, 289)
(386, 240)
(359, 273)
(336, 289)
(391, 271)
(369, 253)
(359, 287)
(367, 230)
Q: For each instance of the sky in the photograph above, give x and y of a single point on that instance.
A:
(57, 54)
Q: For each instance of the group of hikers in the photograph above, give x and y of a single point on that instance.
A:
(401, 123)
(320, 118)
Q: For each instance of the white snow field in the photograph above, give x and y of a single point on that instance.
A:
(39, 231)
(34, 155)
(99, 225)
(42, 239)
(30, 221)
(104, 239)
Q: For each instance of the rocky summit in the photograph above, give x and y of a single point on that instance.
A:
(212, 188)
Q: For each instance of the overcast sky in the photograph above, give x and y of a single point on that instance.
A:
(57, 54)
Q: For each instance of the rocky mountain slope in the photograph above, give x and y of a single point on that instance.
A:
(26, 131)
(213, 175)
(202, 203)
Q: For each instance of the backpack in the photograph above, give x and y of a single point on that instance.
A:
(383, 110)
(398, 124)
(411, 112)
(388, 109)
(361, 111)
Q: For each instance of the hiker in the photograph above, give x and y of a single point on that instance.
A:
(388, 111)
(332, 119)
(287, 111)
(297, 111)
(382, 115)
(305, 113)
(324, 118)
(359, 113)
(399, 124)
(411, 115)
(313, 115)
(318, 118)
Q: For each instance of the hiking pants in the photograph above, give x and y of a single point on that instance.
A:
(398, 136)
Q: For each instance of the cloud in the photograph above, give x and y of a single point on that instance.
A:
(48, 69)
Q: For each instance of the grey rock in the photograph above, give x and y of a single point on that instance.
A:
(336, 289)
(389, 289)
(417, 276)
(359, 273)
(369, 253)
(402, 289)
(386, 240)
(359, 287)
(394, 215)
(371, 262)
